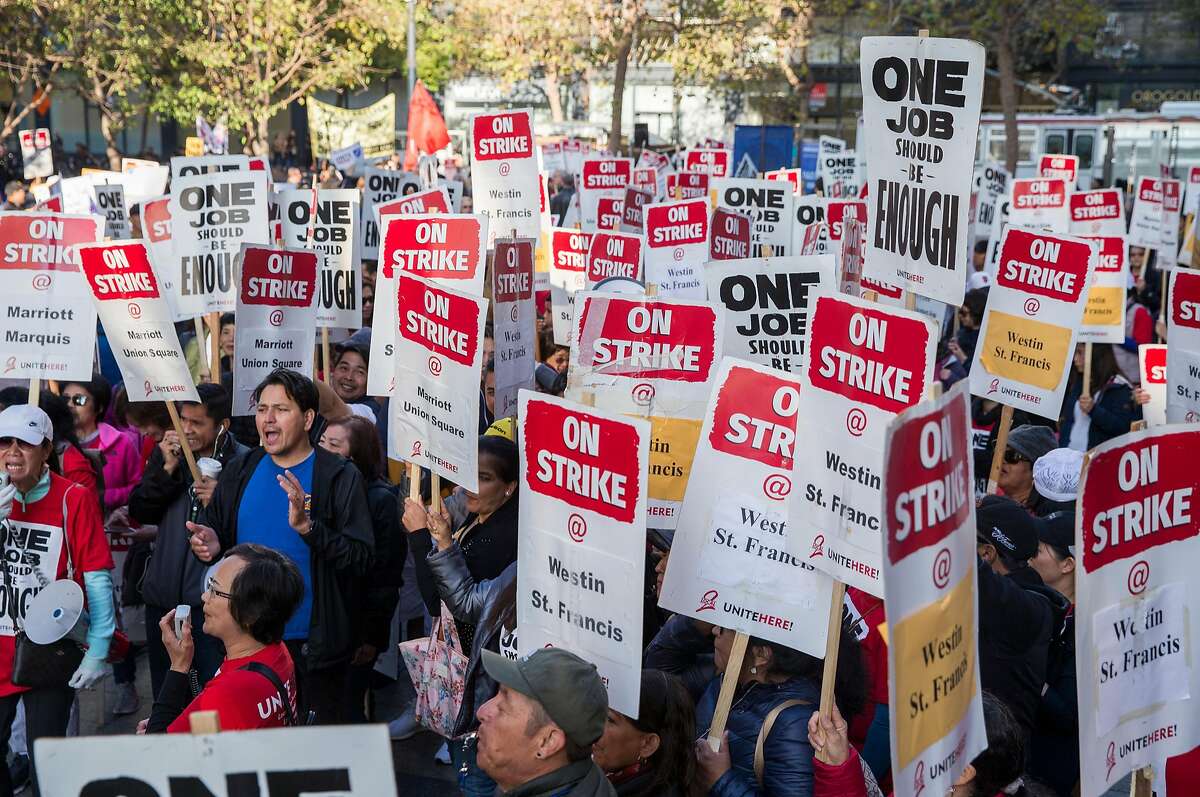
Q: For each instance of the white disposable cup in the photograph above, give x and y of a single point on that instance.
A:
(209, 468)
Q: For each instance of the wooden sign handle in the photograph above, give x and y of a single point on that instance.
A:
(1142, 782)
(733, 668)
(204, 722)
(35, 391)
(214, 333)
(833, 645)
(1001, 446)
(1086, 388)
(183, 444)
(435, 493)
(414, 481)
(325, 355)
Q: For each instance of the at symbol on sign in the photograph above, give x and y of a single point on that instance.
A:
(941, 568)
(576, 527)
(856, 421)
(1139, 577)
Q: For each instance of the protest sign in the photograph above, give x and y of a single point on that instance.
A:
(1171, 204)
(713, 162)
(381, 185)
(568, 275)
(929, 568)
(840, 211)
(645, 179)
(50, 321)
(110, 201)
(768, 202)
(335, 236)
(156, 231)
(212, 216)
(1060, 167)
(991, 185)
(348, 159)
(838, 172)
(1152, 368)
(1146, 218)
(1136, 550)
(677, 247)
(661, 164)
(687, 185)
(1104, 309)
(921, 103)
(601, 177)
(574, 152)
(1040, 203)
(1034, 310)
(992, 258)
(435, 404)
(1183, 356)
(513, 319)
(450, 250)
(615, 254)
(633, 209)
(729, 234)
(850, 258)
(276, 317)
(730, 563)
(36, 154)
(1191, 199)
(143, 180)
(78, 195)
(583, 538)
(767, 303)
(552, 157)
(336, 759)
(654, 358)
(504, 173)
(863, 364)
(828, 144)
(793, 176)
(1099, 212)
(332, 127)
(608, 212)
(431, 200)
(541, 250)
(185, 166)
(809, 227)
(137, 321)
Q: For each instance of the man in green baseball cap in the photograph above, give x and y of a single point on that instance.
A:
(535, 736)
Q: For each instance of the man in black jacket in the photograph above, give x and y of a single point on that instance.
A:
(1017, 612)
(167, 497)
(310, 505)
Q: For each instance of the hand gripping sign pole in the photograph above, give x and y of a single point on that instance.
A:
(183, 444)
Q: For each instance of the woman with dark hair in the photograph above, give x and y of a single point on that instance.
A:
(1105, 410)
(473, 570)
(839, 772)
(778, 689)
(69, 459)
(89, 401)
(355, 439)
(225, 343)
(248, 598)
(651, 756)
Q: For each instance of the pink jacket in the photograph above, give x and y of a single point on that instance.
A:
(122, 464)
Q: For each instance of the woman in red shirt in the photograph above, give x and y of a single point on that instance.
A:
(248, 599)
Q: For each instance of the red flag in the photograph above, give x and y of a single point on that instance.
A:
(426, 127)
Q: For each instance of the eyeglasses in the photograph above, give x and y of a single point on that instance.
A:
(79, 399)
(210, 586)
(6, 443)
(1013, 458)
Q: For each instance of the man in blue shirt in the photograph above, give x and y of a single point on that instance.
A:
(310, 505)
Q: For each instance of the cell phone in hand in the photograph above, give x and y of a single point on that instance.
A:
(183, 614)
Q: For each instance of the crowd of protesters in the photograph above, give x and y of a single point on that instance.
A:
(304, 560)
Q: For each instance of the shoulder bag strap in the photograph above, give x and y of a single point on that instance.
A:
(765, 731)
(273, 677)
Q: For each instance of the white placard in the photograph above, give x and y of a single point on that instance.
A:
(513, 321)
(1183, 355)
(381, 185)
(504, 173)
(768, 202)
(335, 236)
(1152, 368)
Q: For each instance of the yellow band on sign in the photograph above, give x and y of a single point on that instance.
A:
(1104, 307)
(934, 669)
(193, 146)
(1023, 350)
(672, 448)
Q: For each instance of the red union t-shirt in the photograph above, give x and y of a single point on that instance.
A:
(243, 699)
(41, 529)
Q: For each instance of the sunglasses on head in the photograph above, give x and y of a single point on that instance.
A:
(79, 399)
(1012, 457)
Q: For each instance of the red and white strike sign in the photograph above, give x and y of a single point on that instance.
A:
(614, 254)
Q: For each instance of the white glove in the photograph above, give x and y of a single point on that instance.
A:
(89, 673)
(8, 491)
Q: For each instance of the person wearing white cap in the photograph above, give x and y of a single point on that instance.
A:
(1056, 480)
(51, 530)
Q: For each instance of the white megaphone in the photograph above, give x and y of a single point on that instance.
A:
(56, 612)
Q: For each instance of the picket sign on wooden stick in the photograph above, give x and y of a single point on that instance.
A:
(414, 481)
(201, 354)
(1086, 389)
(183, 444)
(325, 355)
(1140, 785)
(214, 354)
(35, 391)
(1137, 426)
(733, 668)
(1001, 446)
(435, 493)
(1162, 297)
(833, 645)
(910, 300)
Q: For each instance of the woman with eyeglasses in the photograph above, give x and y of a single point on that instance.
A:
(89, 402)
(248, 598)
(50, 529)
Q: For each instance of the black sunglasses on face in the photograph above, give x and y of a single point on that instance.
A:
(79, 399)
(1012, 457)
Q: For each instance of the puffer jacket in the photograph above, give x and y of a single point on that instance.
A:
(579, 779)
(489, 605)
(787, 770)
